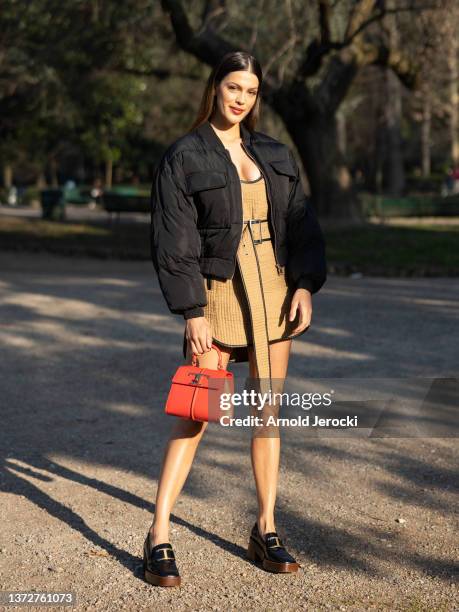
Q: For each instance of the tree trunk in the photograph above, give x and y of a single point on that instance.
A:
(8, 175)
(454, 98)
(40, 183)
(342, 133)
(108, 173)
(425, 133)
(330, 181)
(53, 171)
(373, 154)
(394, 172)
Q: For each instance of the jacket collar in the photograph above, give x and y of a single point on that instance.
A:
(211, 140)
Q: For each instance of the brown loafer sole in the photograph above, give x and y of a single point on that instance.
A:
(255, 552)
(155, 579)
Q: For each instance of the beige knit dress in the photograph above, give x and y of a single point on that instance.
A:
(252, 308)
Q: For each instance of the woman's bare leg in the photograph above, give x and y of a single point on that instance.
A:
(265, 449)
(178, 458)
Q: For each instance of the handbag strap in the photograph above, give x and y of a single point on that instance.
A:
(194, 360)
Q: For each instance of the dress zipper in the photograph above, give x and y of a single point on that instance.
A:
(278, 266)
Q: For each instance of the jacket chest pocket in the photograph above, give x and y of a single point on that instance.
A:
(284, 177)
(210, 193)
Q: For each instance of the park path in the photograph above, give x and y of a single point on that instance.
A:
(87, 349)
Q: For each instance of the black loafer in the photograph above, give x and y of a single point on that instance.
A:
(159, 564)
(271, 552)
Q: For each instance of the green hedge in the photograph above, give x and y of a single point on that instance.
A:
(410, 206)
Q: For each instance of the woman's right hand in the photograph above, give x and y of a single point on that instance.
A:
(199, 334)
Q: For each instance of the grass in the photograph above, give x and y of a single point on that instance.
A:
(101, 240)
(417, 249)
(414, 249)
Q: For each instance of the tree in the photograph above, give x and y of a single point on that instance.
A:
(55, 84)
(317, 54)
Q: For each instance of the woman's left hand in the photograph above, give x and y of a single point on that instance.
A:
(301, 300)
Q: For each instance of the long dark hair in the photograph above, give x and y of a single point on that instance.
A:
(230, 62)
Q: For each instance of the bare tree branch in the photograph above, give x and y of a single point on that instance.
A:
(324, 21)
(159, 73)
(378, 16)
(360, 13)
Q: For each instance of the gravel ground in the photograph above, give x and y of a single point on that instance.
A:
(87, 351)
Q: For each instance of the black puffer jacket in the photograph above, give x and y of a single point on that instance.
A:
(196, 216)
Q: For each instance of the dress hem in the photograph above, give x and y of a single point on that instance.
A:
(291, 337)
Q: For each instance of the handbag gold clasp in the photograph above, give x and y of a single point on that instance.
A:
(197, 377)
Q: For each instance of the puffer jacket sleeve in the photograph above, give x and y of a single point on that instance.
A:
(306, 263)
(175, 241)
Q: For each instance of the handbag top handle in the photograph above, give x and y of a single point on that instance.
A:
(194, 360)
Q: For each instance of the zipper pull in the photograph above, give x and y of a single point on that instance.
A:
(279, 268)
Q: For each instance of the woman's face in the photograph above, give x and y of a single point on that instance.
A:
(236, 92)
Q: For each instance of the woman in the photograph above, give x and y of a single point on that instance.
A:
(238, 252)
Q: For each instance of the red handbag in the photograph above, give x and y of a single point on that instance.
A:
(196, 393)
